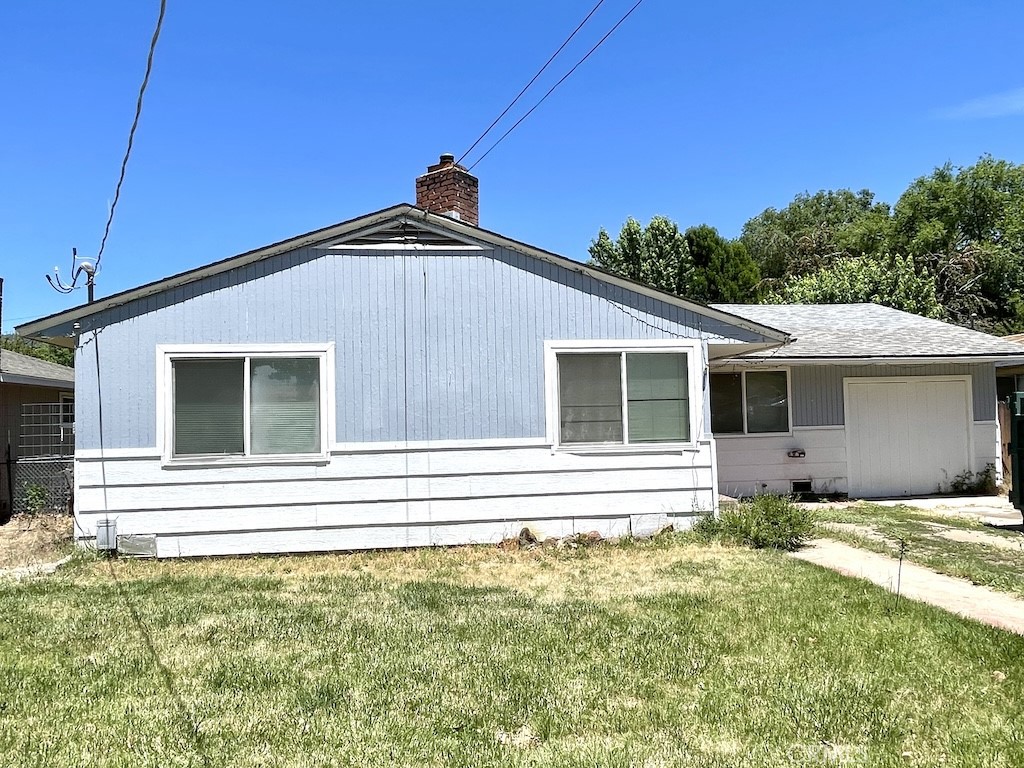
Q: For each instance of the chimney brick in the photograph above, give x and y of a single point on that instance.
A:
(449, 189)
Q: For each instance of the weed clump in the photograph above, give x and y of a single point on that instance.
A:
(764, 522)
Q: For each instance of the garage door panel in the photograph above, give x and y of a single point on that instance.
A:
(906, 436)
(940, 420)
(880, 441)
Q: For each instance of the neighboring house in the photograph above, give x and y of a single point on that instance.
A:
(880, 403)
(27, 381)
(1010, 377)
(407, 378)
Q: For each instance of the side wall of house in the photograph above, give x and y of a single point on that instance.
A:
(754, 464)
(440, 432)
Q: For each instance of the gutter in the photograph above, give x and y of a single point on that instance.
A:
(36, 381)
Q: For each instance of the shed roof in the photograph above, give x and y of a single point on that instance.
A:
(869, 332)
(16, 368)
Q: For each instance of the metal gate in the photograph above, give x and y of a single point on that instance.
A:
(42, 475)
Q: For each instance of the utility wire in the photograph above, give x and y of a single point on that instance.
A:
(532, 81)
(131, 133)
(552, 89)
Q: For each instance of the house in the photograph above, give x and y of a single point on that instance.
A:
(407, 378)
(45, 388)
(865, 400)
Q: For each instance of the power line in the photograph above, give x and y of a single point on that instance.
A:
(552, 89)
(532, 81)
(131, 133)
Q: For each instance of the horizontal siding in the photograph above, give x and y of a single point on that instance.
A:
(749, 465)
(381, 538)
(429, 345)
(389, 499)
(818, 389)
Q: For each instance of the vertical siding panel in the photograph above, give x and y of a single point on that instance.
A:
(481, 371)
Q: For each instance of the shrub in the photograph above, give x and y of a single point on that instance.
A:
(978, 484)
(766, 522)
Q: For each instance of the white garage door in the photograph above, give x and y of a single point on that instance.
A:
(906, 437)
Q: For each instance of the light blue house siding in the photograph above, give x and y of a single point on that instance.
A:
(441, 433)
(818, 389)
(430, 345)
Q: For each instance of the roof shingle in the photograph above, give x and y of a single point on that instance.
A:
(867, 331)
(16, 364)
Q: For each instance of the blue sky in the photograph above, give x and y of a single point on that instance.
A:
(265, 120)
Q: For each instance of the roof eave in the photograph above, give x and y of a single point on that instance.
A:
(39, 328)
(1008, 359)
(35, 381)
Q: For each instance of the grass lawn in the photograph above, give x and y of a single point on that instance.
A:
(662, 653)
(996, 567)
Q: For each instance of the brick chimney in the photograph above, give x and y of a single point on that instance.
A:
(449, 189)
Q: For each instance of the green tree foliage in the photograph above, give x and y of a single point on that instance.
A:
(656, 254)
(966, 225)
(893, 281)
(951, 247)
(815, 230)
(722, 269)
(53, 354)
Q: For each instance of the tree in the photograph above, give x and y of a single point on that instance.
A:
(656, 255)
(48, 352)
(966, 225)
(893, 281)
(722, 269)
(814, 230)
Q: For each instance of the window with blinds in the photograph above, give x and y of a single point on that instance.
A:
(247, 406)
(623, 397)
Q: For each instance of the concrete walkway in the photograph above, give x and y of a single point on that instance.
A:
(918, 583)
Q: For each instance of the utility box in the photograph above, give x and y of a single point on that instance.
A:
(106, 535)
(1017, 449)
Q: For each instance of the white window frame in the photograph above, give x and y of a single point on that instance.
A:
(167, 354)
(65, 398)
(693, 348)
(743, 403)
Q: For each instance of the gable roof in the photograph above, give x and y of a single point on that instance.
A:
(16, 368)
(866, 332)
(355, 231)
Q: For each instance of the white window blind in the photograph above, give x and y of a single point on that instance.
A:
(590, 398)
(658, 398)
(208, 402)
(284, 405)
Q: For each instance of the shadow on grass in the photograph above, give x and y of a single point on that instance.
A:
(187, 719)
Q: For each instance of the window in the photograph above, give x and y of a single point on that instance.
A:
(623, 397)
(231, 404)
(67, 409)
(751, 402)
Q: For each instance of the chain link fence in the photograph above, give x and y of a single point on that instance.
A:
(43, 472)
(43, 484)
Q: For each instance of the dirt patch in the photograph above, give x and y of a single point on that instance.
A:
(864, 531)
(35, 539)
(1015, 543)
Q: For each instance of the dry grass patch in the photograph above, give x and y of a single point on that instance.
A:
(658, 653)
(34, 539)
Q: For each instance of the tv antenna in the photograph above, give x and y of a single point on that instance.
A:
(79, 266)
